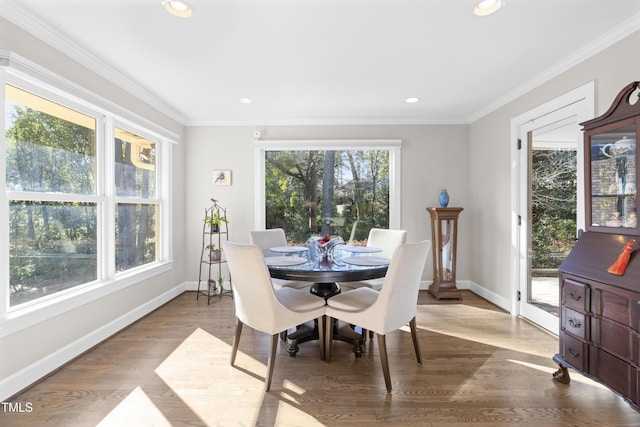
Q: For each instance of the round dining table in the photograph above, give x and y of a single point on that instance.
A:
(324, 275)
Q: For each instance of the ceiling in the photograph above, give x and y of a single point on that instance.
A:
(326, 61)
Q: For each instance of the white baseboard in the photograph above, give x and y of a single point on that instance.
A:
(481, 291)
(20, 380)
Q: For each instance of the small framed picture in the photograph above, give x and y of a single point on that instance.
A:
(221, 177)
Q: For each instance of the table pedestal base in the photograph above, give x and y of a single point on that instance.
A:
(346, 333)
(308, 332)
(302, 334)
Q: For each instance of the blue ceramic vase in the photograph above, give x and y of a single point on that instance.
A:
(443, 198)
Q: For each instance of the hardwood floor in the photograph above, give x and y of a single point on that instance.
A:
(481, 367)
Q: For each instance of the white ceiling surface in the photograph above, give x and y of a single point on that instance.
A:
(327, 61)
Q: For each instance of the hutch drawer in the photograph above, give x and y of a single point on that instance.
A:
(615, 305)
(574, 351)
(574, 323)
(575, 295)
(616, 373)
(612, 336)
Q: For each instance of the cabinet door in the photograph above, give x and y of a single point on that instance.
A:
(612, 180)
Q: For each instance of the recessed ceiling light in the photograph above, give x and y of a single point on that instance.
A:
(412, 100)
(487, 7)
(177, 8)
(246, 100)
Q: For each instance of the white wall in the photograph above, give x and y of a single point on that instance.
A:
(489, 149)
(33, 351)
(433, 157)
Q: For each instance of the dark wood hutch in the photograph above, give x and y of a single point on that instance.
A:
(600, 311)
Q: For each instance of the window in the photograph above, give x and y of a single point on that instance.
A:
(136, 207)
(79, 211)
(341, 188)
(51, 186)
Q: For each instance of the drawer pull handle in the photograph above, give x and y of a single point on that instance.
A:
(573, 352)
(575, 323)
(575, 296)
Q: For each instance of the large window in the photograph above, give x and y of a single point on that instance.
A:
(80, 209)
(341, 188)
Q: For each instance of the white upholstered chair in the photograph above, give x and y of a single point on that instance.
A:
(388, 241)
(270, 238)
(262, 307)
(386, 310)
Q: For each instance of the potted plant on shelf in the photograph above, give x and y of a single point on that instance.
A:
(215, 253)
(215, 220)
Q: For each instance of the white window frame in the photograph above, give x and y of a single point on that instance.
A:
(25, 74)
(393, 145)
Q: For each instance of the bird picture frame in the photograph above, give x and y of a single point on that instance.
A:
(221, 177)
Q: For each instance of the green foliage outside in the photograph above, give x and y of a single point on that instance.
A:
(553, 207)
(326, 192)
(53, 244)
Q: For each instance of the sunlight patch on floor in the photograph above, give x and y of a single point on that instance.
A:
(199, 373)
(135, 410)
(289, 414)
(493, 329)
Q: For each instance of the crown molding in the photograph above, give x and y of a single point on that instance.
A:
(18, 15)
(611, 37)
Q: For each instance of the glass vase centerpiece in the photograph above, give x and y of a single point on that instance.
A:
(322, 248)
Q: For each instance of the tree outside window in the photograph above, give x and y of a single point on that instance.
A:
(338, 192)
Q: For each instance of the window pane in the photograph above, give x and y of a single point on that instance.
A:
(53, 248)
(135, 165)
(341, 193)
(135, 235)
(50, 148)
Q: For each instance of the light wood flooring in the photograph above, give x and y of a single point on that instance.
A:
(481, 367)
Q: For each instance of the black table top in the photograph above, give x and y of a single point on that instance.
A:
(328, 272)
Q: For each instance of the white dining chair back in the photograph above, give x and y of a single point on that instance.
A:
(386, 310)
(388, 241)
(268, 238)
(262, 307)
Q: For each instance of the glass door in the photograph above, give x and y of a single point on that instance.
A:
(551, 216)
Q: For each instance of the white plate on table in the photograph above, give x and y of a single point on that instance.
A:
(365, 260)
(289, 249)
(360, 249)
(285, 260)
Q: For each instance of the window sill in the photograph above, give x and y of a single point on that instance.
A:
(32, 314)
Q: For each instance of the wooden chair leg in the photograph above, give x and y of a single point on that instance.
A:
(382, 348)
(328, 332)
(236, 341)
(321, 336)
(272, 359)
(414, 336)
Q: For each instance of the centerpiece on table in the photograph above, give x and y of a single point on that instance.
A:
(324, 246)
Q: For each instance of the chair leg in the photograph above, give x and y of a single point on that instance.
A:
(414, 336)
(328, 332)
(272, 359)
(236, 341)
(321, 336)
(382, 347)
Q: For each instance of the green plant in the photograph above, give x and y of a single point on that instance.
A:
(221, 283)
(215, 219)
